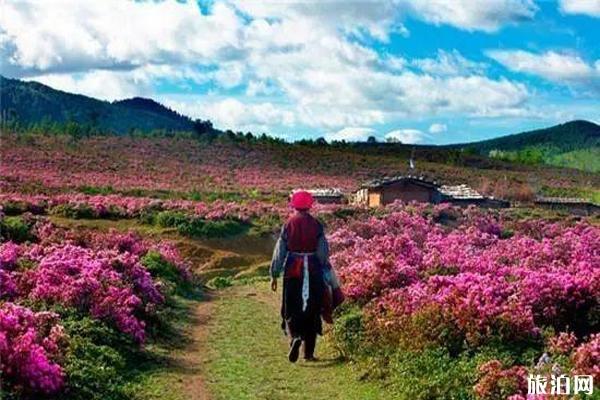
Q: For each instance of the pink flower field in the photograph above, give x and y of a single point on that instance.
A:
(482, 293)
(473, 280)
(100, 275)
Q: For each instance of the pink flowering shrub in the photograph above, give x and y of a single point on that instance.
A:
(481, 285)
(9, 252)
(455, 280)
(586, 358)
(563, 343)
(116, 206)
(497, 382)
(88, 280)
(100, 275)
(30, 348)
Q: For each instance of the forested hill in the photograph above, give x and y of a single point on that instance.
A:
(565, 137)
(31, 103)
(573, 144)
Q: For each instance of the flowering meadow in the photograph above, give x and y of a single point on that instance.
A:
(40, 163)
(118, 206)
(61, 287)
(443, 302)
(488, 295)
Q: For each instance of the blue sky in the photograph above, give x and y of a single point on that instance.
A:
(437, 71)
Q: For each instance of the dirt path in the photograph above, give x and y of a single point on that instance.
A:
(193, 356)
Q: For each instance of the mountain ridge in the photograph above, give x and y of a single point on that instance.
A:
(32, 102)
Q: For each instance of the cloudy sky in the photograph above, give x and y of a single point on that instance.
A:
(420, 71)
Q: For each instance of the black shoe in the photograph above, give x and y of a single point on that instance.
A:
(311, 359)
(294, 350)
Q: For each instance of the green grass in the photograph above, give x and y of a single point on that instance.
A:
(158, 375)
(248, 355)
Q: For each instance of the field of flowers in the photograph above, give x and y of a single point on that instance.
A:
(79, 205)
(73, 304)
(464, 303)
(48, 164)
(443, 302)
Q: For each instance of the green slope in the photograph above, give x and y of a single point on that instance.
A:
(573, 135)
(574, 144)
(33, 103)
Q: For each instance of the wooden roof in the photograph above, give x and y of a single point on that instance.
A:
(390, 180)
(460, 192)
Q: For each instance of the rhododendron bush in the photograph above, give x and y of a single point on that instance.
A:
(100, 275)
(466, 279)
(117, 206)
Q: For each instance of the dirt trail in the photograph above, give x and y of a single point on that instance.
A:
(193, 357)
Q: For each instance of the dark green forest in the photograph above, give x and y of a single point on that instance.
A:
(23, 104)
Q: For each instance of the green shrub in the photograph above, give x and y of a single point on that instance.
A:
(96, 360)
(16, 229)
(348, 331)
(266, 224)
(160, 268)
(170, 219)
(93, 190)
(79, 211)
(220, 282)
(198, 227)
(14, 207)
(432, 374)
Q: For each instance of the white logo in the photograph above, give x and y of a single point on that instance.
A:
(560, 384)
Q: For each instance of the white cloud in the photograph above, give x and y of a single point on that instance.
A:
(407, 136)
(437, 128)
(303, 63)
(105, 85)
(487, 16)
(351, 134)
(448, 63)
(230, 74)
(70, 36)
(368, 17)
(589, 7)
(558, 67)
(117, 84)
(229, 113)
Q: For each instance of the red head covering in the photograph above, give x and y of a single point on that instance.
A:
(302, 200)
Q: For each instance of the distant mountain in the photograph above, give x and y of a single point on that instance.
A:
(573, 144)
(565, 137)
(31, 102)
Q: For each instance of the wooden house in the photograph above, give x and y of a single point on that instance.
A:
(574, 206)
(405, 188)
(411, 188)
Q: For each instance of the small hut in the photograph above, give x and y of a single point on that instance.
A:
(572, 205)
(411, 188)
(389, 189)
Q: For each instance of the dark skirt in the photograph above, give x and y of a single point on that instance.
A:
(295, 321)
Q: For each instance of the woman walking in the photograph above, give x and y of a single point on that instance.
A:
(302, 253)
